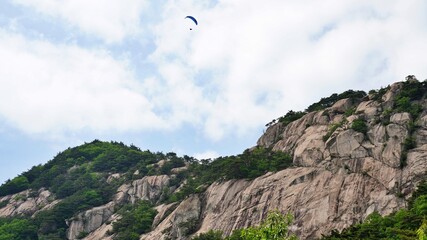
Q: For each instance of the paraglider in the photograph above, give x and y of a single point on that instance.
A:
(191, 18)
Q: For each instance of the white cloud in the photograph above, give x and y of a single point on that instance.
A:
(263, 59)
(111, 21)
(55, 89)
(246, 63)
(206, 155)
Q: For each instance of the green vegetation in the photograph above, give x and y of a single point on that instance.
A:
(404, 104)
(359, 125)
(82, 235)
(329, 101)
(89, 158)
(136, 220)
(408, 144)
(78, 176)
(377, 95)
(421, 232)
(407, 100)
(15, 185)
(332, 129)
(385, 116)
(414, 90)
(3, 204)
(291, 116)
(404, 224)
(173, 162)
(190, 226)
(53, 222)
(250, 164)
(350, 111)
(322, 104)
(17, 228)
(274, 227)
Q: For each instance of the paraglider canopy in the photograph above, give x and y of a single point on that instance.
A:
(192, 19)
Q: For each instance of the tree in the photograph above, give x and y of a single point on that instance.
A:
(421, 232)
(15, 185)
(135, 221)
(17, 229)
(275, 227)
(359, 125)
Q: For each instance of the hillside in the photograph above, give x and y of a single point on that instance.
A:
(347, 157)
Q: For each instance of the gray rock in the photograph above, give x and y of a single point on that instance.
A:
(90, 220)
(26, 203)
(342, 105)
(401, 118)
(94, 221)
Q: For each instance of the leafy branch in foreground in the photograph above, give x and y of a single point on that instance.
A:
(274, 227)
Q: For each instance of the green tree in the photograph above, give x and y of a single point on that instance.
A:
(421, 232)
(23, 229)
(275, 227)
(359, 125)
(291, 116)
(329, 101)
(15, 185)
(135, 221)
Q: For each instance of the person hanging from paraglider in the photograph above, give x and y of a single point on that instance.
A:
(192, 19)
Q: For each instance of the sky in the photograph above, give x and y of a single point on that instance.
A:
(132, 71)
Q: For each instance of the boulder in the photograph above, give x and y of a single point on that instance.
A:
(26, 203)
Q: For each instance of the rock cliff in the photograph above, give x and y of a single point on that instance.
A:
(340, 175)
(94, 220)
(26, 203)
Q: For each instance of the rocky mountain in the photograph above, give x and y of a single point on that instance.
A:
(350, 155)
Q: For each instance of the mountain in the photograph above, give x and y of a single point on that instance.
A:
(345, 159)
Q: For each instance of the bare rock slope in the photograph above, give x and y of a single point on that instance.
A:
(27, 202)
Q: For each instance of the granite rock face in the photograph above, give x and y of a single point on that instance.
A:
(26, 203)
(97, 221)
(90, 220)
(336, 181)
